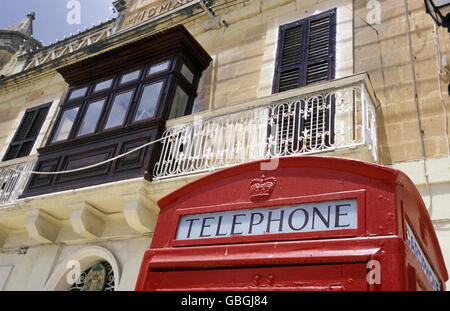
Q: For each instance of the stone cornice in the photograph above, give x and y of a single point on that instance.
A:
(109, 43)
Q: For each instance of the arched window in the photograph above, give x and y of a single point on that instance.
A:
(99, 277)
(94, 268)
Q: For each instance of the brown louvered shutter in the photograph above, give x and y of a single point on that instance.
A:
(306, 52)
(321, 49)
(306, 55)
(291, 55)
(27, 132)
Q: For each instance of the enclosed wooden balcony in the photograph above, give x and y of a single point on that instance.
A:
(118, 100)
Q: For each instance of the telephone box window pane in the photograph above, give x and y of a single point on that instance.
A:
(119, 109)
(179, 104)
(132, 76)
(78, 93)
(149, 101)
(187, 73)
(65, 124)
(103, 85)
(91, 118)
(159, 67)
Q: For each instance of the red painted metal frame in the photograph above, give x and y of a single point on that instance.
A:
(293, 253)
(387, 199)
(359, 195)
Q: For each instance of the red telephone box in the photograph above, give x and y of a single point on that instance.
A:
(314, 223)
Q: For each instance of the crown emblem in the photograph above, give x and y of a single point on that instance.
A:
(261, 188)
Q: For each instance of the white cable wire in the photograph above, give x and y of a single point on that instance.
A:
(99, 163)
(440, 72)
(380, 51)
(417, 105)
(182, 128)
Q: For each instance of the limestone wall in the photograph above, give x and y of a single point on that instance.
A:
(244, 50)
(383, 50)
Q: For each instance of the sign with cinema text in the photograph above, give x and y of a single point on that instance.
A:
(307, 217)
(154, 10)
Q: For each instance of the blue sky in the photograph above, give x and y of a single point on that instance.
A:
(51, 16)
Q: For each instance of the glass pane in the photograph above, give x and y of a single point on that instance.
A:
(187, 73)
(78, 93)
(65, 124)
(91, 118)
(130, 77)
(103, 85)
(119, 109)
(159, 67)
(149, 100)
(180, 101)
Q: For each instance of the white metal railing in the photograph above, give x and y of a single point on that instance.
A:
(332, 116)
(70, 45)
(13, 181)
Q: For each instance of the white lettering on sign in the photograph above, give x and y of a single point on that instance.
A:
(309, 217)
(414, 245)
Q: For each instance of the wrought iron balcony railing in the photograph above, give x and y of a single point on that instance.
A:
(337, 115)
(13, 180)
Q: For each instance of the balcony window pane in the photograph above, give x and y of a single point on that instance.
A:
(65, 124)
(159, 67)
(103, 85)
(179, 104)
(119, 109)
(128, 77)
(91, 118)
(187, 73)
(78, 93)
(149, 101)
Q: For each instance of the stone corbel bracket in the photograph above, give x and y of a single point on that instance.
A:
(86, 220)
(140, 212)
(42, 227)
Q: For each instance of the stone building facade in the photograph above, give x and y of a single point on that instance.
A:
(218, 83)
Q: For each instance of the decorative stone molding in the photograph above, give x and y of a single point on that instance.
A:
(120, 5)
(70, 45)
(17, 38)
(86, 257)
